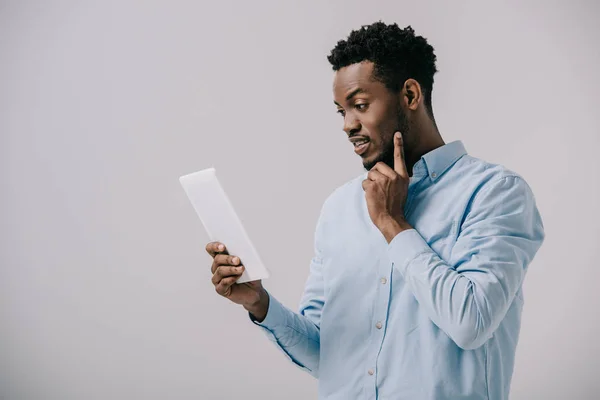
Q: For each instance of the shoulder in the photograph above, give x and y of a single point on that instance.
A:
(490, 182)
(486, 175)
(502, 203)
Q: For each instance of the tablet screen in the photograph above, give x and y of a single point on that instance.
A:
(221, 222)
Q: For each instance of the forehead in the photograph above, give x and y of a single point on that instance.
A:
(359, 75)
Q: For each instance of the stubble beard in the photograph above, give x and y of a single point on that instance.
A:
(386, 155)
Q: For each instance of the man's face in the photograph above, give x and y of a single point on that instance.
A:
(370, 111)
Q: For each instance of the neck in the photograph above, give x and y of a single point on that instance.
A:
(428, 139)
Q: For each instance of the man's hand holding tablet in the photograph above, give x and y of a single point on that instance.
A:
(240, 283)
(226, 270)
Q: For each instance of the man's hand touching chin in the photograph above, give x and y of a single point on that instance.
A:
(385, 191)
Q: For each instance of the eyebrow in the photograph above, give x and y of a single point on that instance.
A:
(352, 94)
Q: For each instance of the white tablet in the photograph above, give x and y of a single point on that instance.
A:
(221, 222)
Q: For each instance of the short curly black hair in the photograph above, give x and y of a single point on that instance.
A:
(397, 53)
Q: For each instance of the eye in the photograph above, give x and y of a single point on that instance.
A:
(341, 112)
(361, 106)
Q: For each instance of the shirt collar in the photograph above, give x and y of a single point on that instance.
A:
(439, 160)
(436, 162)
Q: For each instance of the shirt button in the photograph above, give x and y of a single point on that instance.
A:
(371, 372)
(383, 281)
(379, 325)
(433, 175)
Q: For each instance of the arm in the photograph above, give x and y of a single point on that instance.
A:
(500, 235)
(298, 334)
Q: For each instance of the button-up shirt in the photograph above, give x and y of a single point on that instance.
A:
(434, 314)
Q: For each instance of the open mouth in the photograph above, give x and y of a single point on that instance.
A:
(360, 147)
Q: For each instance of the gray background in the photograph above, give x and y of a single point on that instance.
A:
(105, 288)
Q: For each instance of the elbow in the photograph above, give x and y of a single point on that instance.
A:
(471, 335)
(469, 341)
(472, 328)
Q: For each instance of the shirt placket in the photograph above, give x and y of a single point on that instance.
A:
(378, 325)
(381, 308)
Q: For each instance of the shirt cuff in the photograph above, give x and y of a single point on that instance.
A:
(275, 317)
(405, 247)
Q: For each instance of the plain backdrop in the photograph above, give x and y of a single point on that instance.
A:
(105, 288)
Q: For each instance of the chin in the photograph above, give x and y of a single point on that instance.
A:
(370, 162)
(386, 157)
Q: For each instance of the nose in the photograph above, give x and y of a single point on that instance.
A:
(351, 124)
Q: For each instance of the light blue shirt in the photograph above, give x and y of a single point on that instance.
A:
(433, 315)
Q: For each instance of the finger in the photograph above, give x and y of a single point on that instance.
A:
(376, 176)
(384, 170)
(399, 162)
(214, 248)
(225, 271)
(224, 286)
(366, 184)
(224, 259)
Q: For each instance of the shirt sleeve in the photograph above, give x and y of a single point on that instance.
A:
(500, 235)
(297, 335)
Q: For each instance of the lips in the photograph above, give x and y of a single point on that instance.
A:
(360, 147)
(361, 144)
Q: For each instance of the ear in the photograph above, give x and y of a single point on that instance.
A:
(411, 94)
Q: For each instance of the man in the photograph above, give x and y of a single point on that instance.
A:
(415, 288)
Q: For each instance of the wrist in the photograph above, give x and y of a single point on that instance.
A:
(390, 227)
(258, 309)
